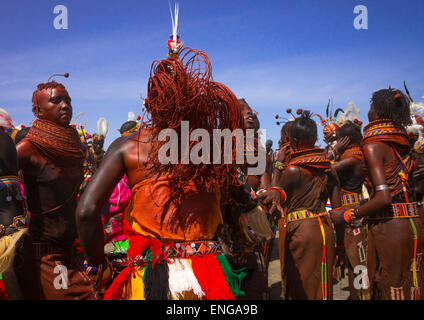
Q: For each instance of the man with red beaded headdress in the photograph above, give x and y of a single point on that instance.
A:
(51, 158)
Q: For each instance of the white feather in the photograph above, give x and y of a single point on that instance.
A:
(6, 120)
(417, 108)
(350, 113)
(131, 116)
(175, 46)
(5, 113)
(102, 127)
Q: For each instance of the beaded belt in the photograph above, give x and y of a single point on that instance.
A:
(304, 214)
(12, 185)
(351, 198)
(185, 250)
(400, 210)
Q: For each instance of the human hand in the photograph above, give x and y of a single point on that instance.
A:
(342, 144)
(270, 199)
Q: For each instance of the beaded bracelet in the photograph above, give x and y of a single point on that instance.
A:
(282, 193)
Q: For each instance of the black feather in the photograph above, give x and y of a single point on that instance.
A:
(407, 92)
(337, 112)
(328, 106)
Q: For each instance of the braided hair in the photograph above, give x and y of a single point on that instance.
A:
(391, 104)
(303, 127)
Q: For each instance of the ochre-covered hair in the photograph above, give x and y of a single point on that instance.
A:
(181, 88)
(43, 86)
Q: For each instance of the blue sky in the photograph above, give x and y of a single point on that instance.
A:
(275, 54)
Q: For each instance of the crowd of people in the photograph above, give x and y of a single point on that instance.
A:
(202, 231)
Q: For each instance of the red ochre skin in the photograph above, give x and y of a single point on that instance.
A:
(49, 186)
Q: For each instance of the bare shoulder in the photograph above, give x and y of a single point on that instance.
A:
(374, 147)
(25, 148)
(135, 146)
(375, 151)
(291, 174)
(29, 158)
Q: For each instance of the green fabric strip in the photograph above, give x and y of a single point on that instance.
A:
(233, 277)
(414, 229)
(121, 246)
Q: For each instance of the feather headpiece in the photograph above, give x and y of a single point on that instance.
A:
(5, 120)
(174, 44)
(415, 129)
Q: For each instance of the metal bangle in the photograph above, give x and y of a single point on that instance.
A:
(381, 187)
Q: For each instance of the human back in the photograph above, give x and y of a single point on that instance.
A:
(152, 213)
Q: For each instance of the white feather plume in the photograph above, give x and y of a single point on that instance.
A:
(6, 119)
(175, 46)
(350, 113)
(417, 108)
(131, 116)
(102, 127)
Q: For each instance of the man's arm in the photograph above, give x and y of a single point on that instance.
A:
(374, 156)
(344, 165)
(29, 159)
(283, 153)
(266, 177)
(286, 180)
(96, 195)
(334, 189)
